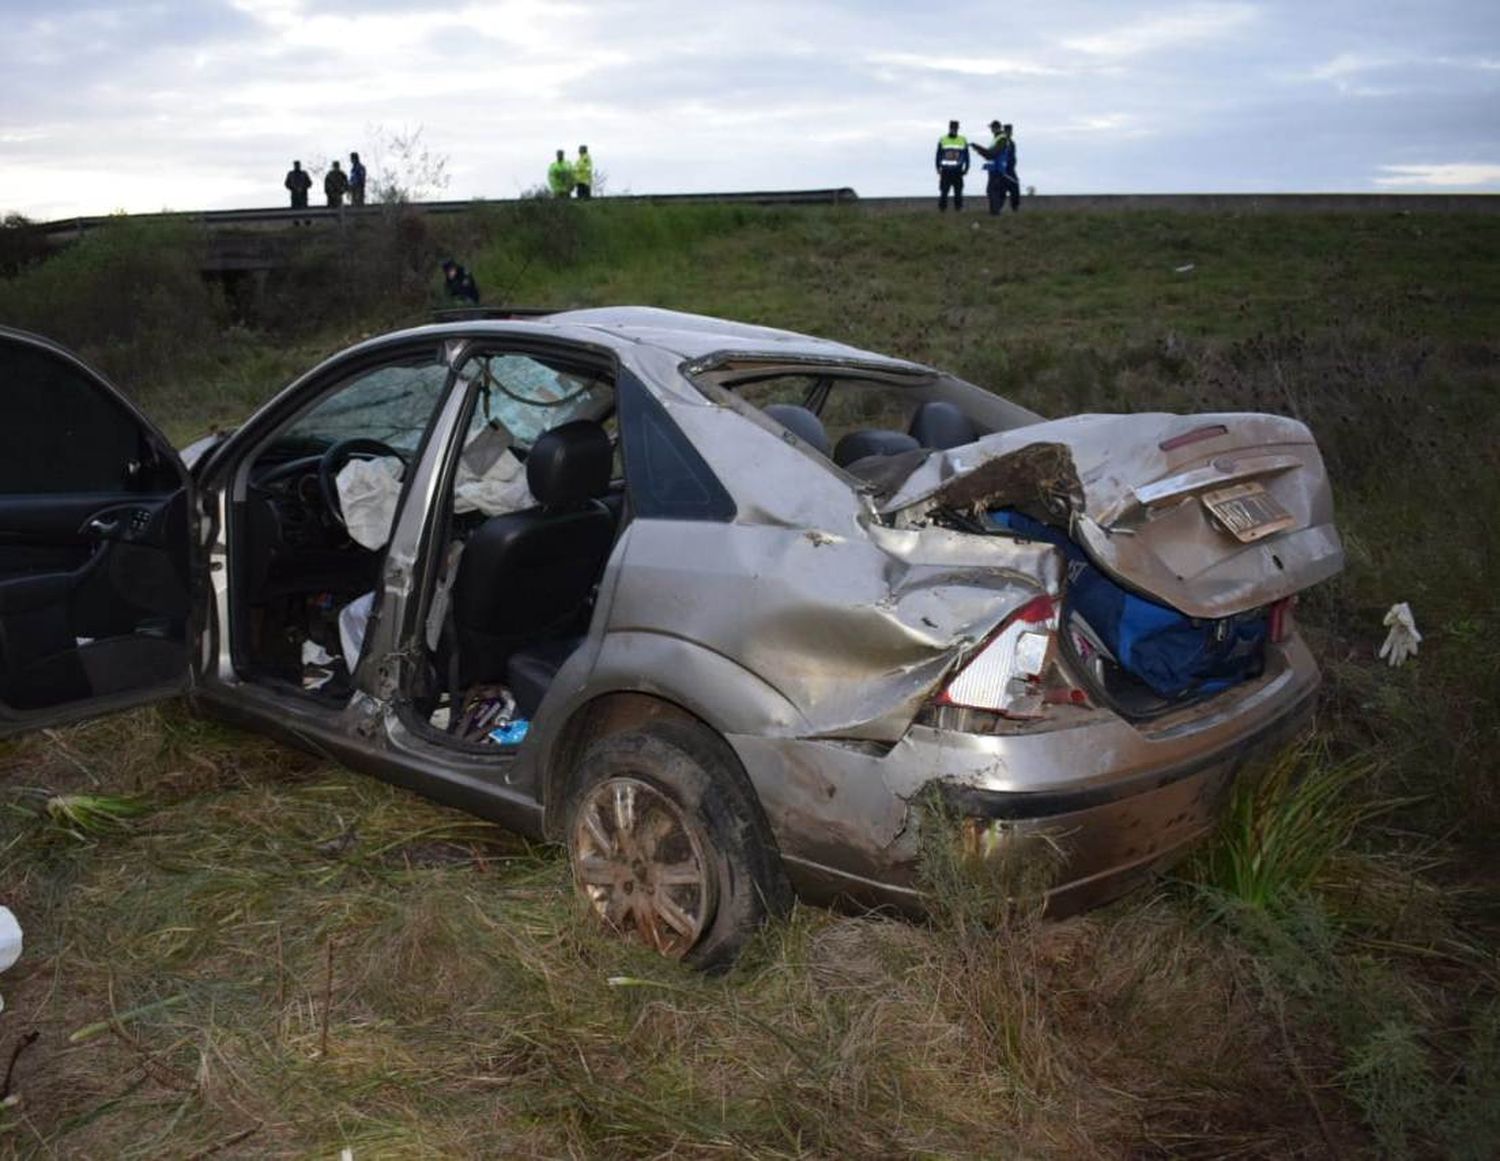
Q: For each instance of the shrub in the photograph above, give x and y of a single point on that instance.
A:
(1283, 826)
(128, 297)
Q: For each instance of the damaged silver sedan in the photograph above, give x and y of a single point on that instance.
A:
(718, 607)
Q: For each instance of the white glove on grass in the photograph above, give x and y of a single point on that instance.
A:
(1402, 640)
(10, 943)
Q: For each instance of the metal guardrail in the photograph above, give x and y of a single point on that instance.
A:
(1216, 203)
(65, 229)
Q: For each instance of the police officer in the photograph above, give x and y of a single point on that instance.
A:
(952, 164)
(560, 176)
(583, 173)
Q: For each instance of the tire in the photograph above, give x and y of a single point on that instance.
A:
(669, 845)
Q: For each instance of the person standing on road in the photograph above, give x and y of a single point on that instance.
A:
(335, 186)
(583, 174)
(952, 164)
(560, 176)
(994, 164)
(356, 180)
(298, 183)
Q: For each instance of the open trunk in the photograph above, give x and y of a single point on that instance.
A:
(1212, 515)
(1184, 537)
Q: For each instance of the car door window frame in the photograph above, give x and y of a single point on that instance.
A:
(239, 455)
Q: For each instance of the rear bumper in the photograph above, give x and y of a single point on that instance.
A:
(1120, 799)
(1113, 836)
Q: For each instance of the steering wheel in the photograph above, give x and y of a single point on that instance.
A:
(337, 455)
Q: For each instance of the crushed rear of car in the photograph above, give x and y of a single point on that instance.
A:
(1079, 630)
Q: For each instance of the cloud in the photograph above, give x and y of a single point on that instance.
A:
(1349, 72)
(1116, 126)
(988, 66)
(1348, 64)
(1449, 175)
(1189, 26)
(203, 103)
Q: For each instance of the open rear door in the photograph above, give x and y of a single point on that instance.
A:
(94, 544)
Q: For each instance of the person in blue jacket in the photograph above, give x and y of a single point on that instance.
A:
(356, 180)
(1000, 162)
(1008, 172)
(994, 164)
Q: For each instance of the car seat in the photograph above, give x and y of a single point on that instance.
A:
(802, 423)
(939, 424)
(529, 576)
(871, 441)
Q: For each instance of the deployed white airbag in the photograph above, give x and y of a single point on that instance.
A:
(354, 619)
(368, 491)
(491, 479)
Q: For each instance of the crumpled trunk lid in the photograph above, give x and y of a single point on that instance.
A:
(1212, 514)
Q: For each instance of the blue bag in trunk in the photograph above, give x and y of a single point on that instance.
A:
(1171, 653)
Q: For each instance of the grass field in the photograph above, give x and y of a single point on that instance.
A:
(238, 950)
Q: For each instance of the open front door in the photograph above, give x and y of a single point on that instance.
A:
(94, 544)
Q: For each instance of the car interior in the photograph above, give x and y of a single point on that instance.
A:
(858, 422)
(527, 522)
(935, 424)
(296, 564)
(517, 591)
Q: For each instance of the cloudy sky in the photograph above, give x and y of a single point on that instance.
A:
(188, 104)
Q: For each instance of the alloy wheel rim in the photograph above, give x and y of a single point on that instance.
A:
(640, 863)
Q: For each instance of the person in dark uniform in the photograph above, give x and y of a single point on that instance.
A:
(952, 164)
(1012, 182)
(335, 186)
(459, 283)
(298, 183)
(356, 180)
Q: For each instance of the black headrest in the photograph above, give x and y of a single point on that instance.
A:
(570, 464)
(857, 445)
(939, 424)
(802, 423)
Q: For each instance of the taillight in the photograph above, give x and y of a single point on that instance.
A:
(1280, 627)
(1005, 676)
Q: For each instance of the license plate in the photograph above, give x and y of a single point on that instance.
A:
(1247, 511)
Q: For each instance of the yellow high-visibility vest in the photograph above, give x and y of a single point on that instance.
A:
(953, 149)
(583, 170)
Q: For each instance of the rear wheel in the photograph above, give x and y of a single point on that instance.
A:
(669, 846)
